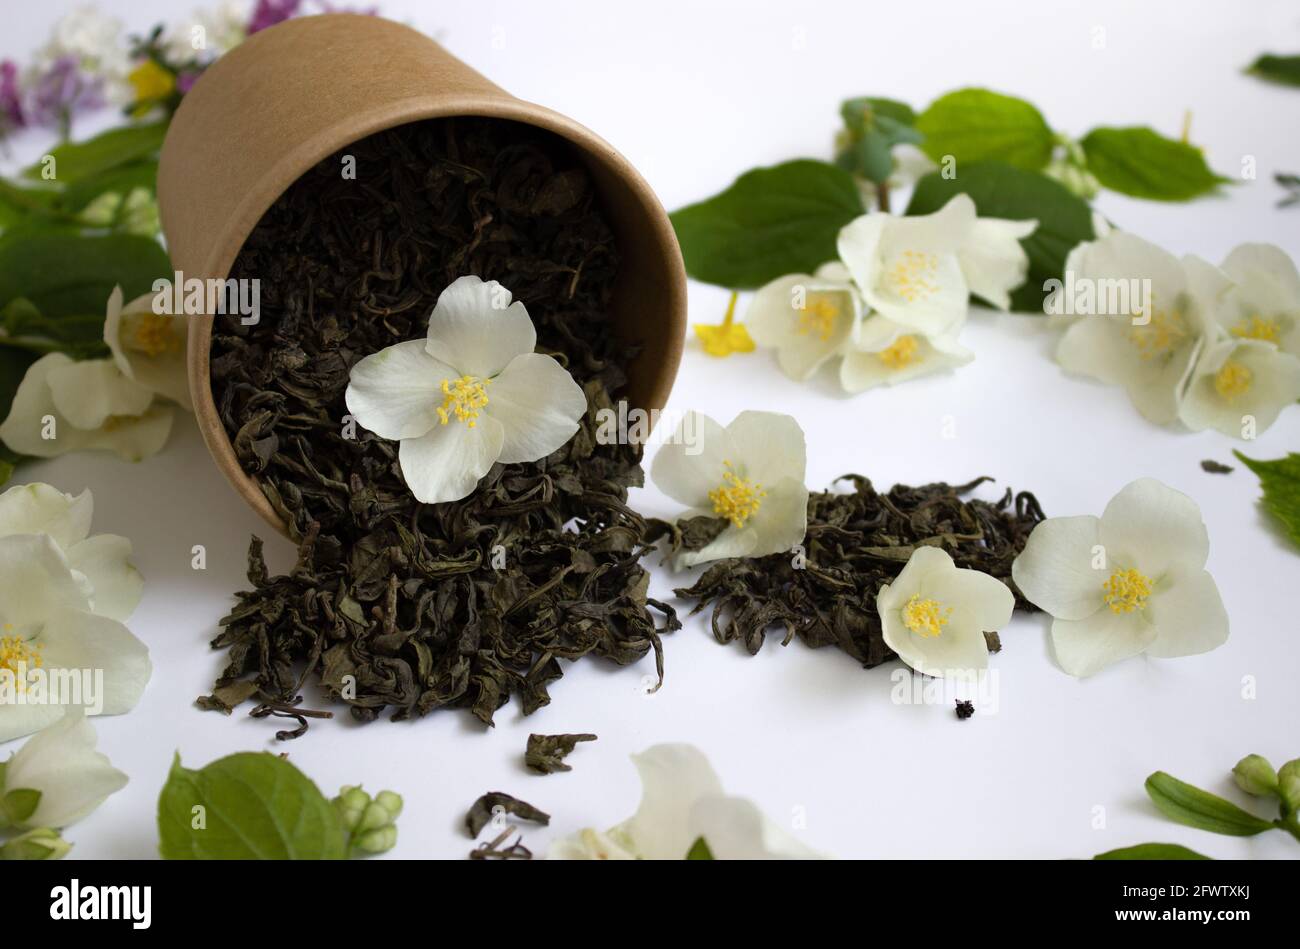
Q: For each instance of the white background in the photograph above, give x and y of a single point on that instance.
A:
(693, 93)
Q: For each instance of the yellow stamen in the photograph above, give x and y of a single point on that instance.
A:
(902, 352)
(16, 652)
(737, 499)
(153, 335)
(925, 617)
(912, 275)
(1258, 327)
(1126, 590)
(1165, 331)
(1232, 380)
(818, 316)
(463, 399)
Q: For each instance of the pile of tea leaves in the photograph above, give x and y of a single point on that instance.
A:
(857, 541)
(393, 604)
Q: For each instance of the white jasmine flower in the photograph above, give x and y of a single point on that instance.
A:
(920, 270)
(682, 802)
(94, 41)
(48, 629)
(64, 406)
(1150, 313)
(751, 473)
(100, 563)
(61, 763)
(1264, 301)
(935, 614)
(806, 319)
(907, 267)
(470, 394)
(1129, 582)
(885, 353)
(992, 259)
(223, 27)
(148, 347)
(1236, 380)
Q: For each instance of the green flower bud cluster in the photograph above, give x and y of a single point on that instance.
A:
(1255, 775)
(41, 843)
(370, 822)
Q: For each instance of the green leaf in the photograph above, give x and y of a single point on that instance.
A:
(121, 180)
(861, 111)
(1283, 69)
(1152, 852)
(976, 124)
(247, 806)
(1196, 808)
(20, 804)
(1141, 162)
(699, 850)
(76, 161)
(873, 127)
(80, 335)
(65, 274)
(1280, 480)
(1001, 191)
(770, 222)
(13, 366)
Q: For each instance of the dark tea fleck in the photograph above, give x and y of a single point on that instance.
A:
(856, 542)
(393, 604)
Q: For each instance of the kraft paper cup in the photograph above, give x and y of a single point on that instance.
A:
(289, 96)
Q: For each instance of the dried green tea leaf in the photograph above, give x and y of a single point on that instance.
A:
(396, 606)
(225, 698)
(482, 811)
(545, 753)
(856, 542)
(1210, 466)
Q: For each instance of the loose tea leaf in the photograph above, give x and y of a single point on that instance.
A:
(545, 753)
(856, 542)
(480, 814)
(395, 604)
(965, 709)
(1211, 466)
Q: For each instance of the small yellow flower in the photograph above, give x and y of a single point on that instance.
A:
(152, 83)
(727, 337)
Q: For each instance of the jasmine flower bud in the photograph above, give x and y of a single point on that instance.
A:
(43, 843)
(378, 840)
(1255, 775)
(391, 802)
(1288, 784)
(352, 804)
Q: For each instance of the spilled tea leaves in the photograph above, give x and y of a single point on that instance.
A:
(493, 802)
(394, 604)
(546, 753)
(857, 541)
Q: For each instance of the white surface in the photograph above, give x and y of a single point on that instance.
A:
(693, 94)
